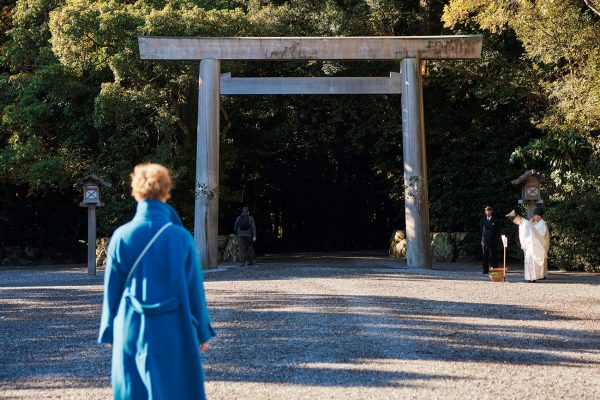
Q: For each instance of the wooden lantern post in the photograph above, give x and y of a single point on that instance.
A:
(91, 199)
(530, 183)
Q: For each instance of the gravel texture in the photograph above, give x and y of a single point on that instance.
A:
(330, 326)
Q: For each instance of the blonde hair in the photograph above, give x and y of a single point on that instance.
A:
(150, 182)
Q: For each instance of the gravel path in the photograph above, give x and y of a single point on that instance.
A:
(328, 327)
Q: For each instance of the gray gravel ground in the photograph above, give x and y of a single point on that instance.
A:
(328, 327)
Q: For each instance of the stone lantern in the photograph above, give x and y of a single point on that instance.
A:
(91, 185)
(530, 183)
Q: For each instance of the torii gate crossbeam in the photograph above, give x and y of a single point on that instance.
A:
(408, 50)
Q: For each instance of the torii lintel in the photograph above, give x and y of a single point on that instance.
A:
(408, 50)
(310, 48)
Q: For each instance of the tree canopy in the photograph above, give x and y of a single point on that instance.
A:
(561, 44)
(319, 172)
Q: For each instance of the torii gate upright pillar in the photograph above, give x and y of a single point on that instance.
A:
(416, 198)
(410, 50)
(206, 211)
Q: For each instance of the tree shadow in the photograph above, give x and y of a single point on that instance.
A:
(334, 340)
(48, 328)
(342, 265)
(58, 277)
(51, 333)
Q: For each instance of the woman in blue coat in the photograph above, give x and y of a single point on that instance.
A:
(154, 313)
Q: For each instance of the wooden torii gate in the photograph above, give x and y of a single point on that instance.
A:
(409, 50)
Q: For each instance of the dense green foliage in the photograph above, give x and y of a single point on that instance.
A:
(561, 45)
(319, 172)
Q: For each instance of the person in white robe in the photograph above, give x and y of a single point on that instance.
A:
(538, 221)
(532, 244)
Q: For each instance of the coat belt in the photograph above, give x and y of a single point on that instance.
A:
(153, 309)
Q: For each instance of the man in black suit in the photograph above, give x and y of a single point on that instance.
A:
(490, 238)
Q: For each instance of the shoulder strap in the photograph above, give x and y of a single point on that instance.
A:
(156, 235)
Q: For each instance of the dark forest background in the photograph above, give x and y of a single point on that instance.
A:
(318, 172)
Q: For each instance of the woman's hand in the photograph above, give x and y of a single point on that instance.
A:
(203, 347)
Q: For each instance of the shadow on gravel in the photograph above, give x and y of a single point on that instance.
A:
(260, 341)
(47, 278)
(49, 323)
(384, 268)
(51, 333)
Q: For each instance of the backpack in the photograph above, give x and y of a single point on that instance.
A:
(244, 222)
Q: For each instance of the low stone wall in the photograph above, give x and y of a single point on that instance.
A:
(227, 246)
(398, 244)
(445, 246)
(101, 246)
(29, 256)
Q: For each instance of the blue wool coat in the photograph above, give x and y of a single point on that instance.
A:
(158, 318)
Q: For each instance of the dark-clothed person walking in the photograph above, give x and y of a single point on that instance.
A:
(490, 238)
(154, 313)
(245, 229)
